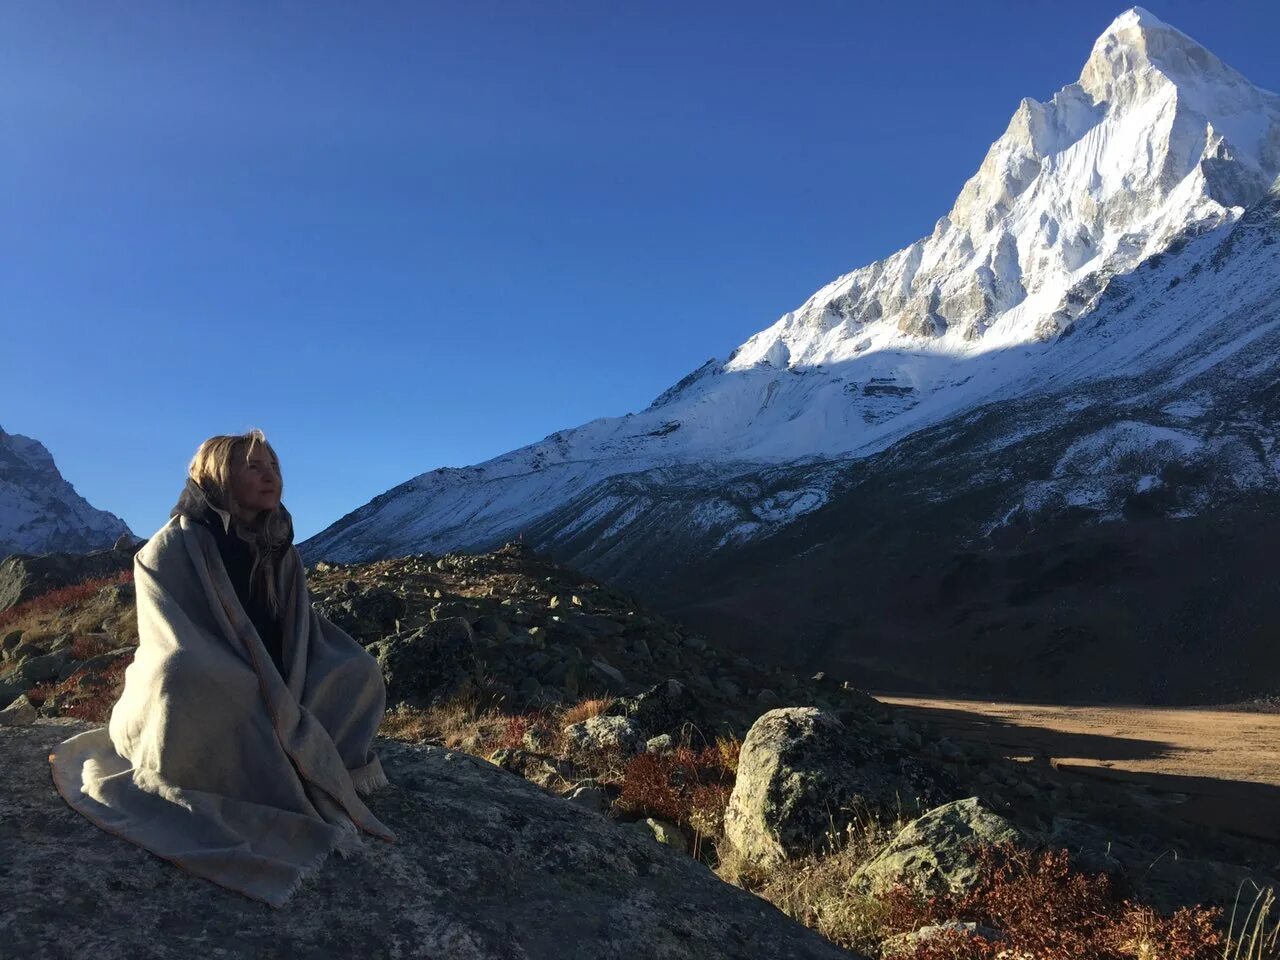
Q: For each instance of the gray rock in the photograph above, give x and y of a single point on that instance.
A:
(591, 795)
(455, 608)
(24, 577)
(664, 832)
(12, 687)
(803, 777)
(932, 854)
(663, 708)
(367, 616)
(547, 772)
(967, 931)
(40, 669)
(493, 626)
(538, 739)
(590, 624)
(485, 867)
(662, 743)
(728, 688)
(433, 663)
(10, 643)
(19, 713)
(607, 676)
(603, 733)
(27, 651)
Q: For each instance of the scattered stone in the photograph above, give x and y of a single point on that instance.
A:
(603, 733)
(368, 616)
(663, 708)
(671, 834)
(19, 713)
(430, 664)
(932, 854)
(973, 933)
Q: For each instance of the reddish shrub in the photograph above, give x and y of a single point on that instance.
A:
(89, 695)
(685, 786)
(62, 597)
(1047, 910)
(513, 732)
(96, 701)
(90, 645)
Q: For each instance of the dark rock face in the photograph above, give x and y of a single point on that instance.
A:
(663, 708)
(367, 615)
(435, 662)
(23, 576)
(486, 867)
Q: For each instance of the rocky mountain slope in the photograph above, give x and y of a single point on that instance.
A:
(559, 837)
(40, 511)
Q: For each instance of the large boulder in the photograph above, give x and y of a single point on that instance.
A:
(804, 777)
(24, 577)
(932, 854)
(368, 615)
(485, 867)
(663, 708)
(430, 664)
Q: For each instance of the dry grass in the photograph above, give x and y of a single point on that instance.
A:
(817, 890)
(475, 723)
(1259, 934)
(56, 602)
(585, 710)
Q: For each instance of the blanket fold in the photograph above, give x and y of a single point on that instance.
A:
(209, 759)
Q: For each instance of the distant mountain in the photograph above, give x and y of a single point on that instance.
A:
(40, 512)
(1090, 334)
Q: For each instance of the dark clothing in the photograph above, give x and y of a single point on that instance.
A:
(237, 557)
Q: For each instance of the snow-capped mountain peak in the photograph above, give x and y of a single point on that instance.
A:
(40, 511)
(1157, 137)
(1080, 249)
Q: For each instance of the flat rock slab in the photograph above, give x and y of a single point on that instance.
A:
(486, 866)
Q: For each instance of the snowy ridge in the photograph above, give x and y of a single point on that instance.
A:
(1156, 137)
(41, 512)
(1056, 265)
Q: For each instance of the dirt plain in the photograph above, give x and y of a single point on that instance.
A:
(1216, 768)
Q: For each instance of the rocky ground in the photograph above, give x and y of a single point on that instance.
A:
(591, 697)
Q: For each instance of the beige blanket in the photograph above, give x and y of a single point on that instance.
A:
(209, 759)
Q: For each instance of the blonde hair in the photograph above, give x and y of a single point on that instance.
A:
(210, 469)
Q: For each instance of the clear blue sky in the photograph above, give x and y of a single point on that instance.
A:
(404, 236)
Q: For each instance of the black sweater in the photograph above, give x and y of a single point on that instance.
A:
(237, 557)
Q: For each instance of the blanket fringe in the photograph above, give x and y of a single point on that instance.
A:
(370, 777)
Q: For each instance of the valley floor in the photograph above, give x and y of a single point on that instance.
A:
(1213, 768)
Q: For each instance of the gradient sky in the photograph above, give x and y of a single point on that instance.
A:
(404, 236)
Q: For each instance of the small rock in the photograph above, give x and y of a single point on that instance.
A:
(20, 713)
(662, 743)
(664, 832)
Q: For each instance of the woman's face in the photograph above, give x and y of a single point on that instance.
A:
(256, 481)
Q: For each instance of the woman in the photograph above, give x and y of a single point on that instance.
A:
(240, 746)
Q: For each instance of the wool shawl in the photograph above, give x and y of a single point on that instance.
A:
(210, 758)
(237, 557)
